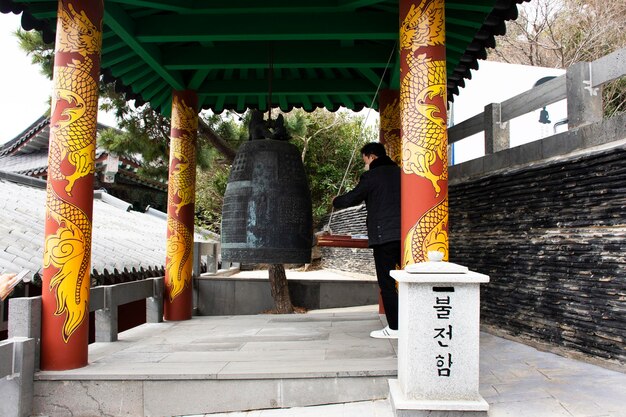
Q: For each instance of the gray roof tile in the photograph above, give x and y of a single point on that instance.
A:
(121, 239)
(33, 162)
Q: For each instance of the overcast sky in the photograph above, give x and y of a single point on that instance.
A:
(24, 91)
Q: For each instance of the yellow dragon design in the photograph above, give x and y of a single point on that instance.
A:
(182, 185)
(72, 139)
(390, 128)
(425, 132)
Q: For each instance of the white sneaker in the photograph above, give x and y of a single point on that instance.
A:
(385, 333)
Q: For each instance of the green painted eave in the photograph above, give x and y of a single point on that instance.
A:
(324, 53)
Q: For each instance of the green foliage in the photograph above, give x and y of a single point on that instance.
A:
(210, 189)
(229, 126)
(143, 132)
(560, 33)
(614, 97)
(211, 183)
(41, 54)
(328, 141)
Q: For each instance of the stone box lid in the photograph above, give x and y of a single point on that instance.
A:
(436, 267)
(438, 272)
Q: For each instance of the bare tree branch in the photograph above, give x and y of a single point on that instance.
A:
(208, 134)
(560, 33)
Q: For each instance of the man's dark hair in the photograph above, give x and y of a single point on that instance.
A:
(373, 148)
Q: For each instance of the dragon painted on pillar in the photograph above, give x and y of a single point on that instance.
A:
(423, 112)
(390, 130)
(181, 194)
(72, 157)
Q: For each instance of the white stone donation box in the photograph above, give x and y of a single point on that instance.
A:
(438, 341)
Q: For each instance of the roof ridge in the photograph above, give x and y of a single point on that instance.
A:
(22, 179)
(13, 144)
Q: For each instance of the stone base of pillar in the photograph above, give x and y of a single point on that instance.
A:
(405, 407)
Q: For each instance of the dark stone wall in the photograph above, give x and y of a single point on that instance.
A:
(552, 237)
(350, 221)
(348, 259)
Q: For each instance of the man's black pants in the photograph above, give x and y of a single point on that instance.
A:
(387, 258)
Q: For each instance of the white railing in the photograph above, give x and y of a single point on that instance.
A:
(16, 376)
(19, 355)
(579, 86)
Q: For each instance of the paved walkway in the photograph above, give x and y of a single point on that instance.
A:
(297, 356)
(516, 380)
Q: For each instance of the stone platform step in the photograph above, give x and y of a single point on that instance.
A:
(227, 363)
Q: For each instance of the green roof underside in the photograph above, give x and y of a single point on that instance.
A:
(313, 53)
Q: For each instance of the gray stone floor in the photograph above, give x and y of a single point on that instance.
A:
(516, 380)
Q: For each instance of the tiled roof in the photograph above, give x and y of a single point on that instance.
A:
(34, 138)
(33, 164)
(121, 238)
(36, 165)
(39, 128)
(27, 154)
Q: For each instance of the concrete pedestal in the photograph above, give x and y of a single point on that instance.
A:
(438, 343)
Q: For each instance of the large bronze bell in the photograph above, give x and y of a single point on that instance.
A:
(267, 215)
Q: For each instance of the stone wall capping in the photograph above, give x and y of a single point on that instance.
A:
(588, 139)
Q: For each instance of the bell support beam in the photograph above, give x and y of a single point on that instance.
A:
(123, 26)
(355, 4)
(423, 121)
(316, 55)
(180, 206)
(277, 27)
(69, 192)
(227, 7)
(303, 86)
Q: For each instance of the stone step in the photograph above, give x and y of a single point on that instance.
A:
(226, 363)
(162, 397)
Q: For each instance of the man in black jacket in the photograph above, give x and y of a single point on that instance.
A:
(379, 188)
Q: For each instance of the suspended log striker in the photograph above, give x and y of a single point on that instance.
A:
(180, 206)
(423, 122)
(69, 193)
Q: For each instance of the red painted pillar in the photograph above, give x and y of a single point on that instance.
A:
(389, 110)
(423, 122)
(181, 192)
(69, 201)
